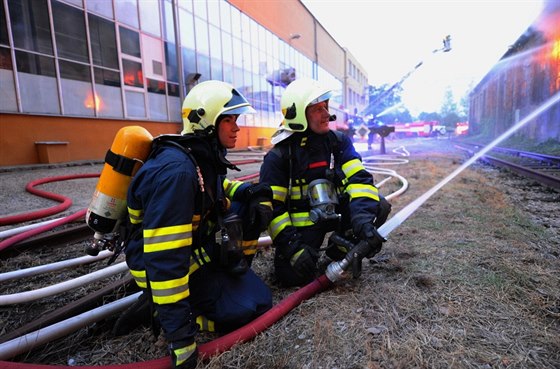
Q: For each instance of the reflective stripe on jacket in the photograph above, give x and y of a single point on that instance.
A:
(310, 159)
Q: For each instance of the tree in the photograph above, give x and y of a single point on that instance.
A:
(429, 116)
(385, 103)
(465, 103)
(449, 111)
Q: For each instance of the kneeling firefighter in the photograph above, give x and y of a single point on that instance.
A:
(319, 185)
(194, 232)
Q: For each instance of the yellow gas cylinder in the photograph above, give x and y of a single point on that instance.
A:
(130, 148)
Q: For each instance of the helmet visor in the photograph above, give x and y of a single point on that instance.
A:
(327, 95)
(237, 105)
(240, 110)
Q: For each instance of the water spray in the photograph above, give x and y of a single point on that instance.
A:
(446, 48)
(335, 270)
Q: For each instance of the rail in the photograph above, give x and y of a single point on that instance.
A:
(543, 168)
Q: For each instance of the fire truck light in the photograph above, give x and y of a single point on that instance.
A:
(556, 49)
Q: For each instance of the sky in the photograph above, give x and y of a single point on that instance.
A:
(390, 37)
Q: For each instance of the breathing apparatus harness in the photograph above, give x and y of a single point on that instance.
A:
(229, 234)
(323, 194)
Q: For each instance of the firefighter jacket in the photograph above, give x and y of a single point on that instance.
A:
(176, 198)
(303, 157)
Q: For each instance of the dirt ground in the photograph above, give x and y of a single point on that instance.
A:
(470, 280)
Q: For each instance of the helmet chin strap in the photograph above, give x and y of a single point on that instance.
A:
(221, 152)
(207, 132)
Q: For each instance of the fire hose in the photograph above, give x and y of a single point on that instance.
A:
(336, 269)
(65, 202)
(221, 344)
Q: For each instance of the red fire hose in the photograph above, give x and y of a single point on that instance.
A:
(65, 202)
(27, 234)
(216, 346)
(206, 350)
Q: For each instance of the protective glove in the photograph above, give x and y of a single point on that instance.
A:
(184, 355)
(261, 190)
(260, 213)
(373, 241)
(304, 261)
(259, 197)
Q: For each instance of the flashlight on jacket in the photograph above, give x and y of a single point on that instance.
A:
(229, 238)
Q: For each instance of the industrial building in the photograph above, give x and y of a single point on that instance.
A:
(524, 79)
(73, 72)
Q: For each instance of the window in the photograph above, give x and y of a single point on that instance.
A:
(76, 89)
(203, 66)
(172, 68)
(102, 7)
(214, 12)
(35, 64)
(186, 4)
(103, 42)
(200, 10)
(107, 99)
(235, 22)
(130, 42)
(226, 49)
(186, 24)
(70, 32)
(201, 35)
(173, 89)
(107, 77)
(168, 25)
(189, 63)
(225, 14)
(36, 75)
(75, 2)
(216, 68)
(75, 71)
(135, 106)
(156, 99)
(5, 59)
(30, 25)
(228, 73)
(8, 100)
(127, 12)
(215, 43)
(132, 73)
(155, 86)
(149, 17)
(3, 26)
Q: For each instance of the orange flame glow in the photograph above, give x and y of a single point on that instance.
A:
(93, 102)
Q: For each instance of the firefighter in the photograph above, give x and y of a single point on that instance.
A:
(195, 232)
(372, 125)
(319, 185)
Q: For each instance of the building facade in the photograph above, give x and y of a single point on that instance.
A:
(73, 72)
(527, 76)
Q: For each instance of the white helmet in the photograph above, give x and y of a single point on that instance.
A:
(207, 101)
(296, 98)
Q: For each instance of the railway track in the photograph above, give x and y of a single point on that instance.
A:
(542, 168)
(57, 308)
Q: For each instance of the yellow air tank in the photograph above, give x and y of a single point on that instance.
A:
(130, 148)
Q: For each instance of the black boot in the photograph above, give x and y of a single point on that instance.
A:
(138, 314)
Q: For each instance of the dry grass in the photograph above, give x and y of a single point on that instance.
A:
(470, 280)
